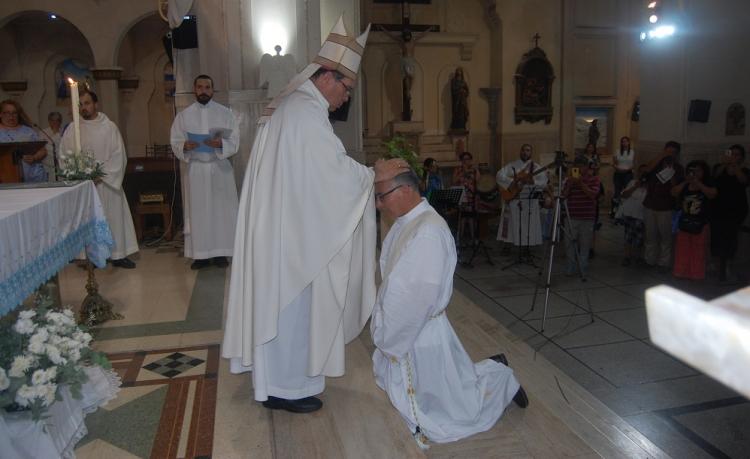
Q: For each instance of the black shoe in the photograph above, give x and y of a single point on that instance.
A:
(200, 264)
(500, 358)
(221, 262)
(125, 263)
(303, 405)
(520, 398)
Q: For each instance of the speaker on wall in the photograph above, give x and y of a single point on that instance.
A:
(699, 110)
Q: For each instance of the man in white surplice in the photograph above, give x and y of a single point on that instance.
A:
(419, 361)
(100, 137)
(516, 225)
(303, 272)
(209, 189)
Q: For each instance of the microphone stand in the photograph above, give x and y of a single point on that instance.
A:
(54, 148)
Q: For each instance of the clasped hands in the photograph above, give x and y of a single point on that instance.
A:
(213, 143)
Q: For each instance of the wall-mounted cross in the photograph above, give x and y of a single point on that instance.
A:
(536, 39)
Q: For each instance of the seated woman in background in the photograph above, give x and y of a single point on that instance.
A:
(431, 180)
(15, 126)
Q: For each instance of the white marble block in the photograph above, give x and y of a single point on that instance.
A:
(713, 337)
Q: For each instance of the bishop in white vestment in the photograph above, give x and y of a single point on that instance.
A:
(520, 222)
(303, 273)
(419, 361)
(100, 137)
(209, 189)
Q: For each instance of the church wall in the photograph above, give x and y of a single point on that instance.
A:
(463, 41)
(706, 59)
(142, 123)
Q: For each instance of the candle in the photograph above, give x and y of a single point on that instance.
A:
(76, 116)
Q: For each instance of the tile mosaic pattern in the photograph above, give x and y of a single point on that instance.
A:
(611, 356)
(166, 407)
(173, 364)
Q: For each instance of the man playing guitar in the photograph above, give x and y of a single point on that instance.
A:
(518, 181)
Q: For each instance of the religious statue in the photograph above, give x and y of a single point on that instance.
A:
(533, 81)
(594, 132)
(459, 101)
(276, 71)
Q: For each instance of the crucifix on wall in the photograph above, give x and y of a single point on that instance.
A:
(406, 35)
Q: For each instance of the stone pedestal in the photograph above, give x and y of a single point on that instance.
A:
(410, 130)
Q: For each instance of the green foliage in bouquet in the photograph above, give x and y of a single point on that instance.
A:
(42, 350)
(79, 166)
(398, 147)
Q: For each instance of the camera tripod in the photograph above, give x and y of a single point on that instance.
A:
(557, 229)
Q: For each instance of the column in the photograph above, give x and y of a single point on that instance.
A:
(108, 92)
(492, 95)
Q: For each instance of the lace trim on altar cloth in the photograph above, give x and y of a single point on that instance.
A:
(102, 387)
(95, 236)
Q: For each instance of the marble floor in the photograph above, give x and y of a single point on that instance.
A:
(596, 389)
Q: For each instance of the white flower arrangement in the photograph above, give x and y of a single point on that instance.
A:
(41, 351)
(79, 166)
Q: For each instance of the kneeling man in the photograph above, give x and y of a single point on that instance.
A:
(419, 360)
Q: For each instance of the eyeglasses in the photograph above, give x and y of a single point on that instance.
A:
(348, 89)
(381, 196)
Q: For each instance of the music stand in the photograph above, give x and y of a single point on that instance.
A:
(11, 157)
(448, 199)
(525, 197)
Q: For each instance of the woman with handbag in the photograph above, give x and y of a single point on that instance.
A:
(692, 234)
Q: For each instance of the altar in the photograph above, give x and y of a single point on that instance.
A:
(42, 228)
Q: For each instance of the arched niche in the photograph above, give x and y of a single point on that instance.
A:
(391, 81)
(34, 45)
(144, 118)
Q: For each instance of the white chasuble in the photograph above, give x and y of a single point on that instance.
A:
(209, 190)
(419, 360)
(520, 222)
(306, 219)
(101, 138)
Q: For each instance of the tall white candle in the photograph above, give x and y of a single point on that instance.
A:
(74, 102)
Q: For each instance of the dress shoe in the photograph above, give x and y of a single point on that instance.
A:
(125, 263)
(303, 405)
(500, 358)
(200, 264)
(221, 262)
(520, 398)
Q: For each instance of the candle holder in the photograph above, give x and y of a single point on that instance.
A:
(95, 309)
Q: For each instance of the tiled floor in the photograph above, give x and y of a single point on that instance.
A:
(682, 411)
(597, 388)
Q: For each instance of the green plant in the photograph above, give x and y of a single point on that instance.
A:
(398, 147)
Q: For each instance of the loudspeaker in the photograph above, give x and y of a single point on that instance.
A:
(699, 110)
(186, 35)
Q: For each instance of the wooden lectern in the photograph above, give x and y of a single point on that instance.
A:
(11, 154)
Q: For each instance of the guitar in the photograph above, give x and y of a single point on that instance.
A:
(520, 179)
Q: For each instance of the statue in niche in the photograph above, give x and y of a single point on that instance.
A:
(735, 119)
(276, 71)
(534, 77)
(459, 101)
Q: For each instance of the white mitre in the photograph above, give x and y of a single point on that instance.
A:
(340, 52)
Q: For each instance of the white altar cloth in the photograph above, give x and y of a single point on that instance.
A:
(41, 230)
(57, 435)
